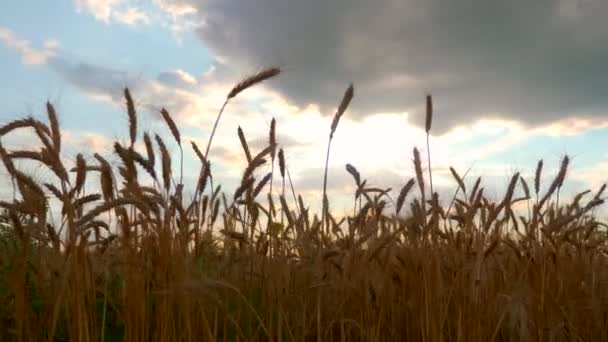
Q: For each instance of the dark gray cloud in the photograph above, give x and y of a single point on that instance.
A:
(534, 61)
(93, 78)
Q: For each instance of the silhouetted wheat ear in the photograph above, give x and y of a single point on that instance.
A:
(205, 174)
(600, 191)
(172, 126)
(205, 171)
(81, 172)
(428, 123)
(245, 184)
(244, 144)
(261, 184)
(198, 152)
(458, 179)
(353, 171)
(539, 170)
(475, 188)
(165, 160)
(106, 179)
(132, 116)
(253, 80)
(144, 163)
(149, 150)
(429, 113)
(54, 123)
(525, 186)
(562, 171)
(510, 189)
(282, 163)
(557, 182)
(272, 139)
(403, 194)
(346, 98)
(128, 161)
(418, 169)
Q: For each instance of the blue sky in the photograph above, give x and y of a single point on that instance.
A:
(530, 84)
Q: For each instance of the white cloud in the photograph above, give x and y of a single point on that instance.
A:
(113, 10)
(52, 44)
(176, 8)
(131, 16)
(89, 141)
(177, 78)
(175, 15)
(29, 55)
(571, 127)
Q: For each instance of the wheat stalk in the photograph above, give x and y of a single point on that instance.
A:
(346, 98)
(237, 89)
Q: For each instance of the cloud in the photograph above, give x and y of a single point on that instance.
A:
(592, 177)
(113, 10)
(532, 63)
(89, 141)
(384, 139)
(194, 100)
(283, 140)
(100, 81)
(150, 94)
(177, 78)
(175, 15)
(571, 127)
(29, 55)
(380, 145)
(131, 16)
(176, 8)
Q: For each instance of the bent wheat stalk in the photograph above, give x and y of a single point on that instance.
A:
(237, 89)
(348, 96)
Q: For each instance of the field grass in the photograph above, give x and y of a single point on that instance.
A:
(134, 261)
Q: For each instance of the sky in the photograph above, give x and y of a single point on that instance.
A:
(512, 82)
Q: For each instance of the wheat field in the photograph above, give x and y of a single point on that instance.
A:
(135, 256)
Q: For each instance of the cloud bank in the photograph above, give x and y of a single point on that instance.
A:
(533, 62)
